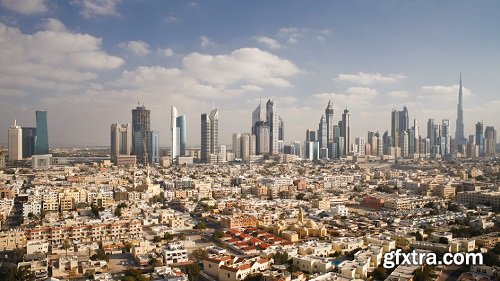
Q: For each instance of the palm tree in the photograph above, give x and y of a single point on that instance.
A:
(66, 245)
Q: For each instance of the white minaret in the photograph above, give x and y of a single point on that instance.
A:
(173, 130)
(15, 142)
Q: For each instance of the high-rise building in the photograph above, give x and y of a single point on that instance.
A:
(430, 131)
(154, 147)
(361, 143)
(459, 133)
(323, 132)
(42, 134)
(141, 127)
(480, 137)
(416, 137)
(121, 140)
(173, 132)
(209, 135)
(237, 143)
(272, 119)
(445, 134)
(181, 134)
(346, 130)
(15, 142)
(281, 133)
(329, 123)
(490, 141)
(29, 141)
(395, 120)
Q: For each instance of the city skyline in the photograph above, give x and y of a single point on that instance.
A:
(87, 72)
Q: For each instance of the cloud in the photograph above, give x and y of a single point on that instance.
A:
(362, 92)
(53, 25)
(26, 7)
(92, 8)
(440, 92)
(398, 94)
(167, 52)
(171, 19)
(206, 42)
(269, 42)
(291, 33)
(51, 58)
(353, 97)
(245, 65)
(138, 48)
(369, 78)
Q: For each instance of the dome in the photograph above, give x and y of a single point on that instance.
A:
(311, 224)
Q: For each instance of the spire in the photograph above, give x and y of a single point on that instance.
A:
(460, 93)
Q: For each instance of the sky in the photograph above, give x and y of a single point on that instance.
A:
(90, 62)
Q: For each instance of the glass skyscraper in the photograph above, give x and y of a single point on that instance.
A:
(141, 126)
(42, 135)
(181, 126)
(29, 141)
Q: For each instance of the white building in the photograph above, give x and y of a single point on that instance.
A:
(174, 253)
(15, 142)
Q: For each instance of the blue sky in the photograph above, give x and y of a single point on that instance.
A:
(88, 63)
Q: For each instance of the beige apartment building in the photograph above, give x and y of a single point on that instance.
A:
(12, 239)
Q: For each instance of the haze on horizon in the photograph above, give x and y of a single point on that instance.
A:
(88, 63)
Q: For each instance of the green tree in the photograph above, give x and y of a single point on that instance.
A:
(300, 196)
(168, 237)
(154, 262)
(157, 239)
(443, 240)
(99, 255)
(192, 270)
(118, 212)
(419, 236)
(66, 245)
(218, 235)
(134, 275)
(200, 226)
(254, 277)
(280, 258)
(181, 236)
(16, 274)
(200, 254)
(379, 273)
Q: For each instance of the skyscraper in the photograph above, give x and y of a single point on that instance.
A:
(181, 134)
(395, 120)
(430, 131)
(459, 133)
(173, 132)
(490, 141)
(141, 127)
(480, 137)
(329, 122)
(29, 141)
(154, 147)
(237, 145)
(346, 130)
(121, 140)
(42, 135)
(445, 134)
(209, 135)
(323, 132)
(15, 142)
(272, 119)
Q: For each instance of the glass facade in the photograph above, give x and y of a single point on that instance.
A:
(42, 135)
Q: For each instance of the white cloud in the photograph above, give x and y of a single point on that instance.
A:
(139, 48)
(92, 8)
(251, 88)
(269, 42)
(291, 33)
(354, 97)
(369, 78)
(362, 92)
(398, 94)
(443, 92)
(25, 6)
(53, 25)
(51, 58)
(167, 52)
(171, 19)
(206, 42)
(249, 65)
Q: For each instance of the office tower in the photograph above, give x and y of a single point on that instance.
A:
(243, 144)
(490, 141)
(459, 133)
(42, 134)
(310, 135)
(386, 140)
(346, 130)
(29, 141)
(272, 119)
(323, 132)
(141, 126)
(361, 142)
(404, 120)
(405, 146)
(237, 149)
(329, 122)
(297, 148)
(173, 132)
(209, 135)
(253, 149)
(430, 131)
(154, 147)
(380, 149)
(181, 134)
(281, 131)
(15, 142)
(480, 137)
(341, 147)
(222, 155)
(395, 120)
(445, 134)
(256, 123)
(416, 137)
(121, 140)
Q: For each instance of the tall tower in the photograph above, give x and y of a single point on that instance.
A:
(15, 142)
(329, 122)
(121, 140)
(395, 120)
(141, 126)
(42, 135)
(490, 141)
(346, 130)
(273, 123)
(181, 134)
(173, 130)
(209, 135)
(445, 133)
(480, 137)
(459, 133)
(29, 141)
(323, 132)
